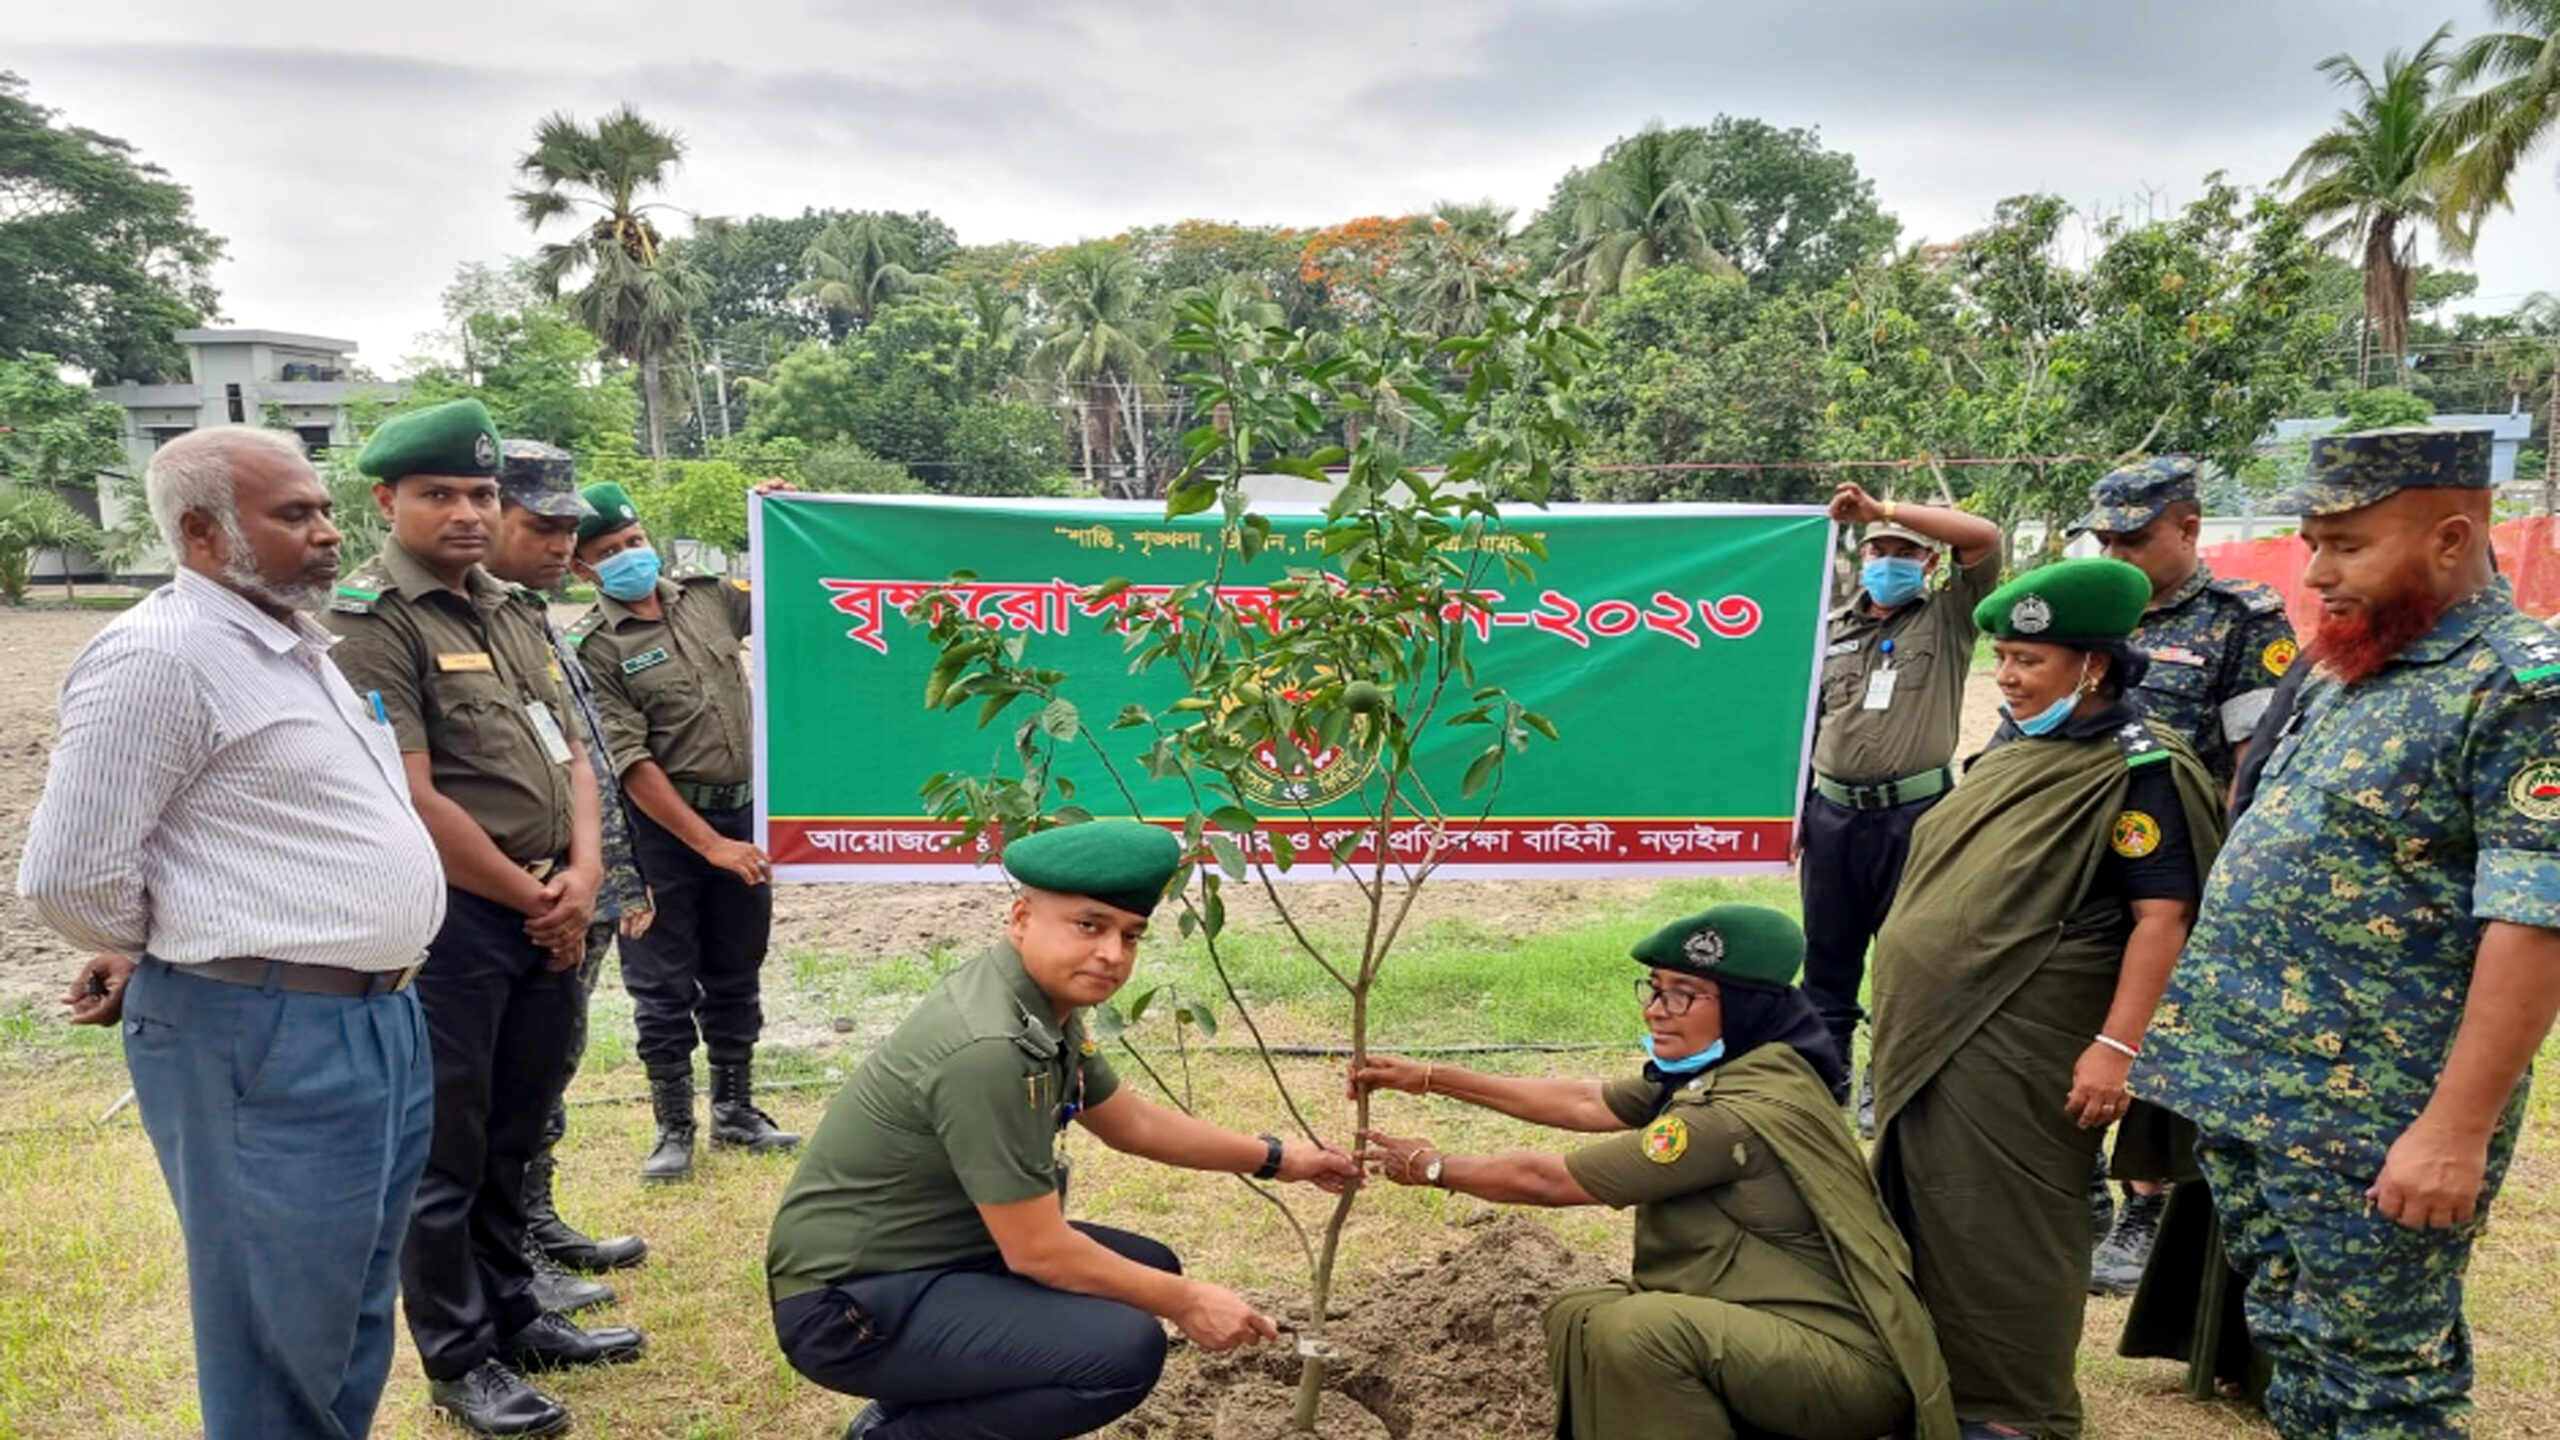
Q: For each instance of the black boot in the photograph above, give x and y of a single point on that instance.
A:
(865, 1420)
(2117, 1267)
(671, 1095)
(494, 1400)
(560, 1292)
(735, 1120)
(2102, 1199)
(566, 1245)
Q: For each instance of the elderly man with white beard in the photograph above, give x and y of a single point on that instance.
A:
(231, 825)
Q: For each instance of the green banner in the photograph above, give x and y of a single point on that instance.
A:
(1676, 647)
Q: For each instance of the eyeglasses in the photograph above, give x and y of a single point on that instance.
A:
(1673, 1002)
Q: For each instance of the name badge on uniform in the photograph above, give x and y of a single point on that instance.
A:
(1839, 648)
(645, 659)
(472, 661)
(1880, 688)
(546, 728)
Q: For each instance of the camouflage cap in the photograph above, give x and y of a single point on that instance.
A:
(2133, 496)
(541, 478)
(2367, 467)
(1887, 530)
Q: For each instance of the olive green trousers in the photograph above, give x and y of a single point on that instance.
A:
(1660, 1366)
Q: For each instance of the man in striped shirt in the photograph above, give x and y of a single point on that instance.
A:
(222, 805)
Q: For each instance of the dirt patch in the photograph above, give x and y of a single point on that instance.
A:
(1262, 1411)
(36, 647)
(1453, 1347)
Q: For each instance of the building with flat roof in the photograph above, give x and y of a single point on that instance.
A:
(303, 383)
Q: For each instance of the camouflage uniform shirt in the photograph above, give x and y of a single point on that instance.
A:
(2320, 991)
(625, 891)
(2217, 649)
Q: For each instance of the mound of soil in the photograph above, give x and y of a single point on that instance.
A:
(1454, 1347)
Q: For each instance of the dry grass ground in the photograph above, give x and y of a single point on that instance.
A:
(93, 1318)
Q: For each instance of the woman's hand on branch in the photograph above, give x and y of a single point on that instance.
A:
(1390, 1072)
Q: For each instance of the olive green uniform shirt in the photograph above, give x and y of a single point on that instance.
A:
(960, 1107)
(1716, 1213)
(460, 679)
(1932, 655)
(672, 689)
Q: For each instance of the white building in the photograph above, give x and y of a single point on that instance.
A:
(302, 383)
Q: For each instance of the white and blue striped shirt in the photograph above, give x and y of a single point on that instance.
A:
(218, 790)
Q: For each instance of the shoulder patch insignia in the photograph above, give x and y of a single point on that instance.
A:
(2134, 739)
(353, 600)
(2134, 835)
(656, 655)
(2278, 656)
(1666, 1140)
(744, 585)
(2535, 792)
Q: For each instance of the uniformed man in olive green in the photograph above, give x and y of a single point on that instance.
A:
(1893, 678)
(662, 653)
(922, 1256)
(458, 664)
(1770, 1293)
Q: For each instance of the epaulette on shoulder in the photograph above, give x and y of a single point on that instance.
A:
(584, 626)
(2139, 746)
(2259, 597)
(361, 590)
(2531, 651)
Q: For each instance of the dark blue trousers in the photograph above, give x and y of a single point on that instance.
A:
(292, 1129)
(980, 1353)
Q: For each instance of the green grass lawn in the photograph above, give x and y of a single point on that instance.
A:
(93, 1321)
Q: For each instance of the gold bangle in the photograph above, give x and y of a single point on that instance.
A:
(1888, 512)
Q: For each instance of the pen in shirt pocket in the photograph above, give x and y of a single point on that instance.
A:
(380, 715)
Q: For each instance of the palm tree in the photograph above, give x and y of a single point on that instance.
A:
(2498, 127)
(1100, 350)
(1447, 276)
(1641, 207)
(861, 263)
(2380, 177)
(637, 299)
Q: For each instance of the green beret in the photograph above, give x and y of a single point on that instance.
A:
(1748, 945)
(1122, 863)
(610, 510)
(2367, 467)
(2078, 602)
(454, 438)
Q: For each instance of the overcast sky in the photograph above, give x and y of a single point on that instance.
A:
(355, 152)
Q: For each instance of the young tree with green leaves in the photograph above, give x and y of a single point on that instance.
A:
(1371, 649)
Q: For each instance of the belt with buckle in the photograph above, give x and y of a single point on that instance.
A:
(716, 797)
(299, 978)
(1905, 791)
(544, 869)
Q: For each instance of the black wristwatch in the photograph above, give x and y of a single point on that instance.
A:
(1270, 1169)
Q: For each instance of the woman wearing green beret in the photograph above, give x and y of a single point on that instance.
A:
(1770, 1292)
(2043, 908)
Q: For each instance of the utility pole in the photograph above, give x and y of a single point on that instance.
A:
(2551, 440)
(720, 382)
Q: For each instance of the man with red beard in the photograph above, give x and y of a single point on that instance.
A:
(2378, 953)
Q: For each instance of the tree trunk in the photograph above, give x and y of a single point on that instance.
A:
(1145, 483)
(2551, 451)
(657, 422)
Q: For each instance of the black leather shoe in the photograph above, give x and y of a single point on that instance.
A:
(555, 1342)
(865, 1420)
(560, 1292)
(494, 1400)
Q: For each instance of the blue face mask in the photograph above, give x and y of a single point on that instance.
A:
(628, 575)
(2049, 719)
(1893, 580)
(1691, 1065)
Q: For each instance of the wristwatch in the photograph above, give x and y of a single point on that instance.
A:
(1431, 1172)
(1270, 1168)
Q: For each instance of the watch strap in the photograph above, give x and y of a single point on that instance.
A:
(1270, 1168)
